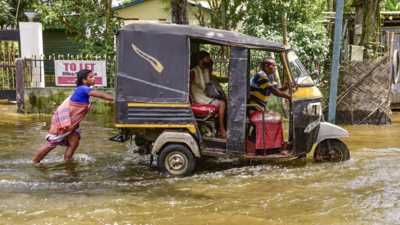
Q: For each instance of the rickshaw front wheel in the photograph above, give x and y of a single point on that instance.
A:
(176, 159)
(339, 152)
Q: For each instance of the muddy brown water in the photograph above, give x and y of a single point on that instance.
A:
(107, 184)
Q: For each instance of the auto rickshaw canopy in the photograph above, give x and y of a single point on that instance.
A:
(153, 60)
(223, 37)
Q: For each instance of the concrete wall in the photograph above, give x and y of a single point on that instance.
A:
(46, 100)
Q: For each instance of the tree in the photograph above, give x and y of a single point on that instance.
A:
(199, 13)
(263, 18)
(5, 14)
(91, 20)
(370, 26)
(223, 14)
(24, 6)
(179, 12)
(232, 13)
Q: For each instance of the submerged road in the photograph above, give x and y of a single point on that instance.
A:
(107, 184)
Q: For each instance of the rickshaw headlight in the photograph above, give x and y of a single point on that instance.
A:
(314, 109)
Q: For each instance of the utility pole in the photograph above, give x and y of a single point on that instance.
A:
(335, 61)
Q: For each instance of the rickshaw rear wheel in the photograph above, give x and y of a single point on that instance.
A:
(176, 159)
(339, 153)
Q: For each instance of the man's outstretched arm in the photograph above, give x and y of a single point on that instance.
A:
(284, 88)
(278, 93)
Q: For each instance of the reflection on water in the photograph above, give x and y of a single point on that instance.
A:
(107, 184)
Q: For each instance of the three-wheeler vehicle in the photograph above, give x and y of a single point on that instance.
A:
(152, 100)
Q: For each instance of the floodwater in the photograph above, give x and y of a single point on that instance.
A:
(107, 184)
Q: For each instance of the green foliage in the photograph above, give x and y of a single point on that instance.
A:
(91, 20)
(390, 5)
(235, 12)
(5, 13)
(263, 18)
(86, 18)
(347, 6)
(214, 50)
(271, 11)
(9, 7)
(304, 35)
(166, 6)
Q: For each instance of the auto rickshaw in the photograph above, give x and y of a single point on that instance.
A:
(152, 100)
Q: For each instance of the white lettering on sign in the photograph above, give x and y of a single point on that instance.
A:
(66, 71)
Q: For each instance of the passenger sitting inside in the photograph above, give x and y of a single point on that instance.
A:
(199, 77)
(263, 84)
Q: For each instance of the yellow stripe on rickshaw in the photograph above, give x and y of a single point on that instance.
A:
(307, 92)
(190, 127)
(134, 104)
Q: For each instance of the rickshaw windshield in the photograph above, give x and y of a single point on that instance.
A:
(300, 74)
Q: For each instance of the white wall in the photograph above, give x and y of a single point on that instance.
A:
(32, 44)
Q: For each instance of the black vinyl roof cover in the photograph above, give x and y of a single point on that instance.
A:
(224, 37)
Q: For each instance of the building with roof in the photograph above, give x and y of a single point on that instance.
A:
(153, 11)
(56, 40)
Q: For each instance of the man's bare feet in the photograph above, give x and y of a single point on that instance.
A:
(223, 133)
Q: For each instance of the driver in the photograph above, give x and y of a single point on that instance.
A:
(263, 84)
